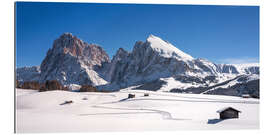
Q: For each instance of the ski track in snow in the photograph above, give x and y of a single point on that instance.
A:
(216, 101)
(165, 115)
(209, 99)
(111, 95)
(174, 109)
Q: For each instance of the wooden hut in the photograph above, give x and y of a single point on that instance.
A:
(67, 102)
(131, 95)
(246, 96)
(146, 94)
(85, 98)
(228, 113)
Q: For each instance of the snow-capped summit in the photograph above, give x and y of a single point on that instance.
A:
(155, 59)
(166, 49)
(148, 61)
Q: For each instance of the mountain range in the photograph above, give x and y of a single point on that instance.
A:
(154, 64)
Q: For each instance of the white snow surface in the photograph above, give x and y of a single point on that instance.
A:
(253, 77)
(245, 65)
(172, 83)
(231, 83)
(90, 112)
(74, 87)
(167, 49)
(241, 67)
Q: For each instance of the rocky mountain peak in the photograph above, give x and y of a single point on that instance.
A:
(67, 35)
(121, 50)
(153, 37)
(166, 49)
(121, 53)
(67, 43)
(71, 45)
(73, 61)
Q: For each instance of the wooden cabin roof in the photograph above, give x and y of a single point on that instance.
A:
(227, 108)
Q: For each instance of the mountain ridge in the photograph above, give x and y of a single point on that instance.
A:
(73, 61)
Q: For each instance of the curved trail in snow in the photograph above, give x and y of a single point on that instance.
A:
(88, 94)
(210, 101)
(165, 115)
(202, 99)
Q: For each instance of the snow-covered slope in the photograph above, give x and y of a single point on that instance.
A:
(166, 49)
(249, 68)
(89, 112)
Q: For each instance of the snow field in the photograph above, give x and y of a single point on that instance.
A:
(42, 112)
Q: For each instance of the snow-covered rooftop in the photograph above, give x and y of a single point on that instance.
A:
(225, 108)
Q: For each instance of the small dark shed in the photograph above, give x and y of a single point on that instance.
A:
(246, 96)
(131, 95)
(67, 102)
(228, 113)
(146, 94)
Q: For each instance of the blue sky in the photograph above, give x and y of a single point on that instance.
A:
(222, 34)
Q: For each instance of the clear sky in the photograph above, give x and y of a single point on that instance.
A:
(222, 34)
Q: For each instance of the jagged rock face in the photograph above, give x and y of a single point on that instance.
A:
(205, 66)
(27, 74)
(72, 61)
(252, 70)
(119, 56)
(155, 59)
(68, 44)
(228, 69)
(147, 62)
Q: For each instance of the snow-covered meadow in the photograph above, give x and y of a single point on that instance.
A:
(90, 111)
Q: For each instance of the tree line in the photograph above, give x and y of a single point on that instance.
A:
(50, 85)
